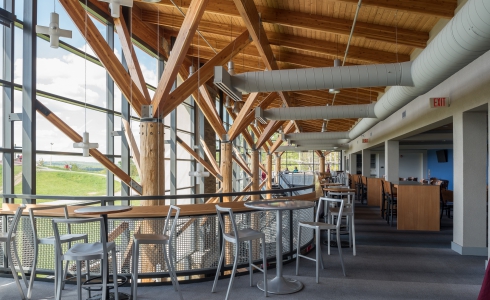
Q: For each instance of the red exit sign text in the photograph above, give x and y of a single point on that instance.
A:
(439, 102)
(365, 140)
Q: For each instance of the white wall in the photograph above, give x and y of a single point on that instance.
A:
(411, 165)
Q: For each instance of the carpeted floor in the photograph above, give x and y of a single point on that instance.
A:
(390, 264)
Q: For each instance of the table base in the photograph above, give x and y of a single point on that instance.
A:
(281, 285)
(122, 296)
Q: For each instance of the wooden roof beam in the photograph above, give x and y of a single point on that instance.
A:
(182, 43)
(199, 159)
(105, 54)
(284, 40)
(406, 37)
(438, 8)
(241, 122)
(271, 128)
(130, 56)
(204, 73)
(209, 154)
(289, 128)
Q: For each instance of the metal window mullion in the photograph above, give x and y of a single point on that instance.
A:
(8, 104)
(173, 152)
(110, 116)
(29, 100)
(125, 152)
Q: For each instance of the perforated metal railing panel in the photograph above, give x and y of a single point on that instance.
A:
(196, 242)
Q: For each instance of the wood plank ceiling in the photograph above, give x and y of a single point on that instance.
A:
(309, 33)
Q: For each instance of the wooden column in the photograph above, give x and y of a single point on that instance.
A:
(153, 181)
(255, 174)
(226, 170)
(278, 167)
(269, 174)
(321, 167)
(152, 146)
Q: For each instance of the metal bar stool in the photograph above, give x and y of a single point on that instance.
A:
(323, 203)
(50, 240)
(9, 239)
(85, 252)
(163, 239)
(349, 208)
(236, 236)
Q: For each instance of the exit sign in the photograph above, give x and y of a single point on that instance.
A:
(365, 141)
(439, 102)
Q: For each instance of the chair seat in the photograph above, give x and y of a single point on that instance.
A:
(245, 234)
(320, 225)
(86, 251)
(151, 238)
(346, 212)
(3, 236)
(65, 238)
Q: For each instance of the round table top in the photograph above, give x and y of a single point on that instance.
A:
(339, 190)
(102, 210)
(279, 204)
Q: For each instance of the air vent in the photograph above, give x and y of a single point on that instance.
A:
(259, 115)
(222, 80)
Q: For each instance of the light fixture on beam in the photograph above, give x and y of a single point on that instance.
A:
(228, 102)
(191, 70)
(54, 31)
(199, 171)
(86, 145)
(336, 63)
(231, 68)
(115, 6)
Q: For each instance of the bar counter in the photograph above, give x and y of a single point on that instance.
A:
(418, 206)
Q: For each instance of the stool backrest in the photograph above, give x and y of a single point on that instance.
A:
(324, 202)
(36, 208)
(166, 228)
(15, 222)
(225, 210)
(100, 220)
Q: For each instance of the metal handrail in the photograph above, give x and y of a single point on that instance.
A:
(104, 199)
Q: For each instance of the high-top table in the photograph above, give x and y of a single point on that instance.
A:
(103, 211)
(280, 284)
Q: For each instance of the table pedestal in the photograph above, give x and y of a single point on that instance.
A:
(279, 284)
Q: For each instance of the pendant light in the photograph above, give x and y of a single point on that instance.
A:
(85, 144)
(115, 5)
(228, 102)
(53, 30)
(336, 63)
(231, 68)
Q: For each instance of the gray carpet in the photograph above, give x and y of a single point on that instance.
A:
(390, 264)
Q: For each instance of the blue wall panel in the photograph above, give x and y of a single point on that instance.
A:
(441, 170)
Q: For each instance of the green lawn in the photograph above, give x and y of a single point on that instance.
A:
(70, 184)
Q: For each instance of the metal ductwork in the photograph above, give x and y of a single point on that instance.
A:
(319, 142)
(462, 40)
(316, 112)
(323, 78)
(312, 147)
(318, 136)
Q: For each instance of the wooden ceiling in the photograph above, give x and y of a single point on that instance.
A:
(305, 34)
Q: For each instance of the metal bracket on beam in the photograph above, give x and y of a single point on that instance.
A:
(146, 111)
(167, 142)
(15, 117)
(225, 138)
(136, 186)
(220, 178)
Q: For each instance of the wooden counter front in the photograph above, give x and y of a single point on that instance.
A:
(374, 191)
(418, 207)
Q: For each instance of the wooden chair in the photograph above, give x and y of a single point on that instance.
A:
(384, 199)
(447, 202)
(364, 187)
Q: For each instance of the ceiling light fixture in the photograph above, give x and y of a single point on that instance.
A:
(231, 68)
(53, 30)
(115, 6)
(336, 63)
(152, 1)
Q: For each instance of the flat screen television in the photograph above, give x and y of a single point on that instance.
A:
(441, 156)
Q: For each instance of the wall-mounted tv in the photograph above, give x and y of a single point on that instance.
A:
(441, 156)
